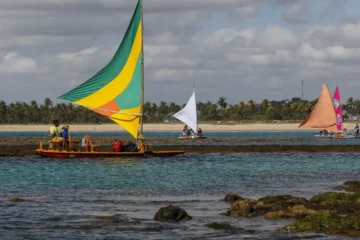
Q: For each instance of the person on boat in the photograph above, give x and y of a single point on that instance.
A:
(118, 145)
(183, 133)
(188, 132)
(55, 133)
(200, 132)
(64, 133)
(356, 130)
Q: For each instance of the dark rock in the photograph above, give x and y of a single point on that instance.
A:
(283, 201)
(299, 211)
(221, 226)
(336, 202)
(262, 206)
(248, 208)
(172, 213)
(352, 186)
(349, 186)
(352, 183)
(327, 223)
(16, 199)
(230, 197)
(110, 219)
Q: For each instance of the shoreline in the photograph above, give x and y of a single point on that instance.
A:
(169, 127)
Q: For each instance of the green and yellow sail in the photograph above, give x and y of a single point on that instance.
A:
(115, 91)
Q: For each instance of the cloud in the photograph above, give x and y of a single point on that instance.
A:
(14, 64)
(239, 49)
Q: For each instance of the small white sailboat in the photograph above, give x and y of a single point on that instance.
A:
(188, 115)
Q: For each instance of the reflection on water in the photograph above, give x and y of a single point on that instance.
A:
(117, 198)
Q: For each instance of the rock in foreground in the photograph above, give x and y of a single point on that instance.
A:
(16, 199)
(262, 206)
(221, 226)
(327, 223)
(172, 213)
(230, 197)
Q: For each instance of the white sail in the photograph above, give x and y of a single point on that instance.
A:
(188, 114)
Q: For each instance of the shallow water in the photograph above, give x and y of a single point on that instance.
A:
(68, 196)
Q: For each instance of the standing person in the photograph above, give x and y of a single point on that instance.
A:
(55, 133)
(357, 130)
(200, 132)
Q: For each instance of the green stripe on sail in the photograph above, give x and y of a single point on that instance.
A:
(131, 97)
(113, 68)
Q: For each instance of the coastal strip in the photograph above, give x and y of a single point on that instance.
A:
(221, 126)
(29, 150)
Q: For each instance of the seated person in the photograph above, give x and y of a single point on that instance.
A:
(64, 133)
(55, 134)
(200, 132)
(188, 132)
(183, 133)
(118, 146)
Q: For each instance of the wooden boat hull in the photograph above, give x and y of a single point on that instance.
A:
(71, 154)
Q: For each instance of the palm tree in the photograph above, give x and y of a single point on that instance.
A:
(222, 103)
(357, 108)
(350, 106)
(251, 105)
(241, 109)
(265, 104)
(3, 112)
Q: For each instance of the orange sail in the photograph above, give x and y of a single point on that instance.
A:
(323, 115)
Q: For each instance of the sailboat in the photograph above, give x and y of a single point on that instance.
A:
(324, 116)
(188, 115)
(339, 116)
(117, 92)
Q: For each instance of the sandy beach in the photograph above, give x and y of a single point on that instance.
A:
(168, 127)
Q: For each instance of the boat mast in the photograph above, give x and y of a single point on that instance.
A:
(142, 70)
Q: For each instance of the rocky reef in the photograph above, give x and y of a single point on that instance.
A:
(329, 212)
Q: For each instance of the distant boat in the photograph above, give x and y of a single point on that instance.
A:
(117, 92)
(188, 115)
(327, 115)
(338, 109)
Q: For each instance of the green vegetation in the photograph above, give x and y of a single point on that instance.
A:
(293, 110)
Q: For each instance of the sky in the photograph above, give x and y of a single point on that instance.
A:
(239, 49)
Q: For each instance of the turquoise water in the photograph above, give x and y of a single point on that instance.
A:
(68, 196)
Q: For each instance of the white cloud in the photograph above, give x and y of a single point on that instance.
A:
(14, 64)
(208, 41)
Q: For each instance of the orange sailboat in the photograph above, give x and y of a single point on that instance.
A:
(323, 116)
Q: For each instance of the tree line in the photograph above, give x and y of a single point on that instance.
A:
(294, 109)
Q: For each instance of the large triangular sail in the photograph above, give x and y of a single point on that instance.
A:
(323, 115)
(338, 109)
(188, 114)
(116, 90)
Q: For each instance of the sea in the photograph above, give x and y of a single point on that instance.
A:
(69, 199)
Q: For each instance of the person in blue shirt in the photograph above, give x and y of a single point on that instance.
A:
(64, 133)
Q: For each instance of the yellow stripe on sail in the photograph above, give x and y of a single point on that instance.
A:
(120, 82)
(128, 122)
